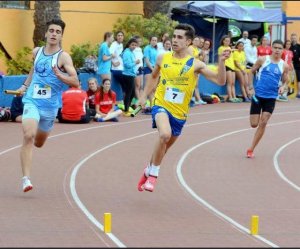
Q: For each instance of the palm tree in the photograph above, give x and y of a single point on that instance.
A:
(44, 12)
(152, 7)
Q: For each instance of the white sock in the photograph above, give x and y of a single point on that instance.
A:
(147, 170)
(154, 171)
(25, 177)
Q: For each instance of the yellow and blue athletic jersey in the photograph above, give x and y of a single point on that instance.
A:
(176, 86)
(195, 51)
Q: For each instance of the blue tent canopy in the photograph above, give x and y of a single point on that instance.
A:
(226, 10)
(232, 10)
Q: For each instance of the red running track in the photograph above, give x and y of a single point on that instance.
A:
(205, 196)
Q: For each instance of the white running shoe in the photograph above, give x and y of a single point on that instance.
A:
(26, 184)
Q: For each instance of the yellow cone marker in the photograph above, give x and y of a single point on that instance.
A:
(107, 222)
(254, 225)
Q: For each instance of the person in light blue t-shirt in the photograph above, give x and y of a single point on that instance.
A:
(150, 55)
(129, 73)
(105, 56)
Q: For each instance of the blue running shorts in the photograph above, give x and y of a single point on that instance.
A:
(175, 123)
(45, 117)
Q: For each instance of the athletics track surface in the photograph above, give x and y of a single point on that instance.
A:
(205, 196)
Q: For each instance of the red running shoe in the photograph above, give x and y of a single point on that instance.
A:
(142, 181)
(150, 183)
(250, 153)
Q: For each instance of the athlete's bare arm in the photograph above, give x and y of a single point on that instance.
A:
(220, 77)
(65, 62)
(258, 64)
(284, 79)
(151, 84)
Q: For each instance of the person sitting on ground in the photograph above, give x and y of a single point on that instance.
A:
(16, 109)
(105, 101)
(93, 88)
(74, 107)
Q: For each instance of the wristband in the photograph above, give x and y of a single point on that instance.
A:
(24, 85)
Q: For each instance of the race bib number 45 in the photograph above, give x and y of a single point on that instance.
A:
(174, 95)
(41, 92)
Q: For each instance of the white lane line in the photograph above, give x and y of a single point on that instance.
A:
(205, 203)
(74, 172)
(277, 167)
(77, 199)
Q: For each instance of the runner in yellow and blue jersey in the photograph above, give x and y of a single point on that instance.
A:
(178, 71)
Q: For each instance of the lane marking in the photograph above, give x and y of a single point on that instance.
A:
(277, 167)
(205, 203)
(76, 197)
(75, 170)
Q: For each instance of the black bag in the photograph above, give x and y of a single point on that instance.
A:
(207, 99)
(4, 114)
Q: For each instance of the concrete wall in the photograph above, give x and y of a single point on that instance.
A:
(86, 21)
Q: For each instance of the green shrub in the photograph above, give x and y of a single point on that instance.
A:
(21, 64)
(79, 52)
(145, 27)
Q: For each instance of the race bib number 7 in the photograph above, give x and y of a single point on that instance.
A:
(174, 95)
(41, 92)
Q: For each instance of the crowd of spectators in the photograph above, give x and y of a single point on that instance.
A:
(130, 66)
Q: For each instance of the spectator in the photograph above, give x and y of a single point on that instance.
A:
(166, 47)
(268, 35)
(105, 57)
(287, 56)
(230, 67)
(129, 74)
(74, 106)
(90, 64)
(91, 92)
(138, 53)
(195, 51)
(194, 47)
(160, 45)
(239, 58)
(245, 39)
(16, 108)
(232, 43)
(116, 49)
(295, 47)
(251, 58)
(206, 51)
(264, 48)
(105, 103)
(150, 55)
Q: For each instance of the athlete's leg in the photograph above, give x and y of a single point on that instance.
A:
(260, 129)
(40, 138)
(29, 132)
(165, 134)
(112, 115)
